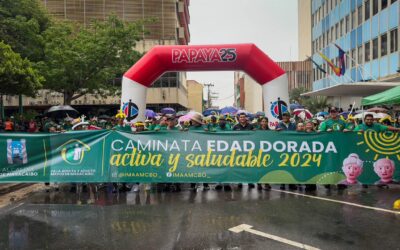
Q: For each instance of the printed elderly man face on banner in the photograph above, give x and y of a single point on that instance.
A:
(352, 168)
(384, 168)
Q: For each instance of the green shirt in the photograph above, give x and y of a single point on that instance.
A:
(196, 128)
(335, 125)
(350, 126)
(374, 127)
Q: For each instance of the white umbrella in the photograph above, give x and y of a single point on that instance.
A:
(362, 115)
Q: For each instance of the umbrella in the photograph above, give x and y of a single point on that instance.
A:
(241, 111)
(150, 113)
(61, 110)
(185, 118)
(361, 115)
(181, 113)
(303, 113)
(380, 115)
(208, 112)
(260, 113)
(322, 113)
(105, 117)
(345, 114)
(170, 111)
(294, 106)
(229, 110)
(377, 109)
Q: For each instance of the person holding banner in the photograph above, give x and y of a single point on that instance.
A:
(263, 121)
(286, 125)
(334, 123)
(369, 125)
(196, 123)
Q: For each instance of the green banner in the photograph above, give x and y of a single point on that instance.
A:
(204, 157)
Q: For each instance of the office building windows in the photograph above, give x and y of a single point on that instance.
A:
(394, 41)
(342, 27)
(383, 45)
(360, 17)
(359, 55)
(384, 4)
(367, 52)
(375, 48)
(337, 31)
(333, 34)
(353, 58)
(367, 7)
(353, 20)
(347, 23)
(375, 7)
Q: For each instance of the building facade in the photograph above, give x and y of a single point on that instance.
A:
(367, 30)
(195, 96)
(304, 28)
(169, 26)
(248, 93)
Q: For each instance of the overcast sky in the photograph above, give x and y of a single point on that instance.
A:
(270, 24)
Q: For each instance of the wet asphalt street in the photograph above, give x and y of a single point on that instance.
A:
(201, 220)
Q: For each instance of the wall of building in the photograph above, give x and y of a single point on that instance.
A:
(248, 93)
(304, 28)
(368, 31)
(299, 73)
(195, 95)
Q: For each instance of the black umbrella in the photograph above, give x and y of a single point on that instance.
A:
(61, 110)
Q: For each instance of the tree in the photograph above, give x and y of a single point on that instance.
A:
(295, 95)
(22, 23)
(81, 61)
(17, 76)
(316, 103)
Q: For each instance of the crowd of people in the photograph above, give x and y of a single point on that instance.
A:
(214, 123)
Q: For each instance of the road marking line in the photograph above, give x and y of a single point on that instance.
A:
(338, 201)
(247, 228)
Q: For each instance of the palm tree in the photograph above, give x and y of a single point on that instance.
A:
(316, 104)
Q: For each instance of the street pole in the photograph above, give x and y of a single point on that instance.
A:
(208, 85)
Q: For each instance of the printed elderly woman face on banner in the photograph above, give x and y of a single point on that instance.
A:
(352, 168)
(384, 168)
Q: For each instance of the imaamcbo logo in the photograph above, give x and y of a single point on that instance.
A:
(204, 55)
(73, 151)
(16, 151)
(131, 110)
(278, 108)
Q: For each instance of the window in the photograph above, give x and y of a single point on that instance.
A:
(367, 7)
(394, 41)
(359, 55)
(384, 4)
(342, 27)
(375, 7)
(367, 52)
(347, 23)
(353, 57)
(359, 12)
(383, 45)
(375, 48)
(337, 31)
(333, 34)
(353, 20)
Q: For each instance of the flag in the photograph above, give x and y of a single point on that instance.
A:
(330, 63)
(342, 60)
(317, 65)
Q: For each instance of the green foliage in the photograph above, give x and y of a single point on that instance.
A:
(22, 23)
(316, 104)
(295, 95)
(17, 76)
(82, 60)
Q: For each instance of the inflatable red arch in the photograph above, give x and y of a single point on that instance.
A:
(246, 57)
